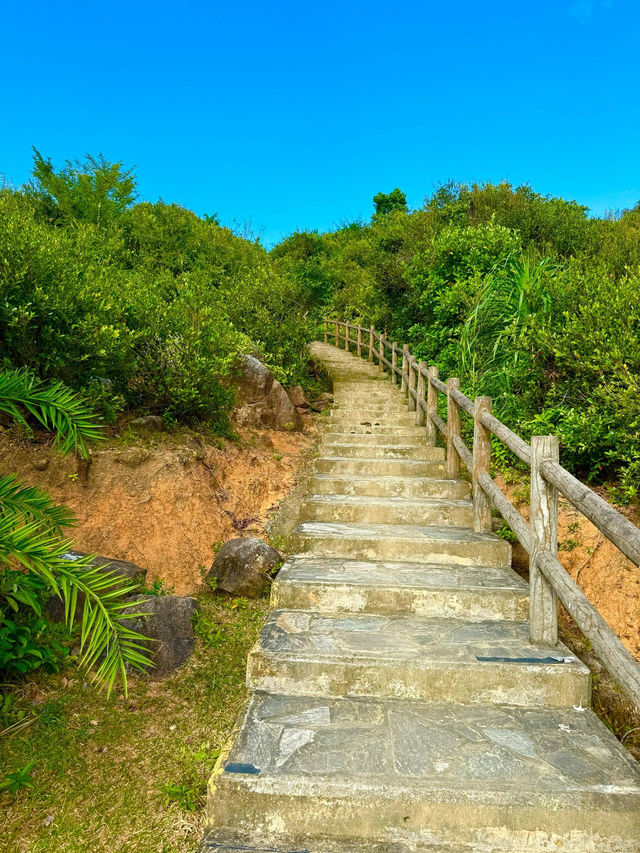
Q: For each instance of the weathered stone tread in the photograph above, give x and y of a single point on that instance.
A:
(436, 774)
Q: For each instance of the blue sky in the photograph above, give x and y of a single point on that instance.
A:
(289, 115)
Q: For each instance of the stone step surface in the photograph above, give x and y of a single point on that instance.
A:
(335, 585)
(378, 467)
(393, 510)
(413, 776)
(355, 440)
(384, 450)
(388, 486)
(398, 703)
(439, 660)
(428, 544)
(363, 429)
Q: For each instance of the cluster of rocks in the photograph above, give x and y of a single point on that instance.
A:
(262, 402)
(242, 567)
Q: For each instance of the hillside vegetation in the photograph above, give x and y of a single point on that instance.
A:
(526, 298)
(145, 306)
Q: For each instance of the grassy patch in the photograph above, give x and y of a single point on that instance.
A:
(127, 774)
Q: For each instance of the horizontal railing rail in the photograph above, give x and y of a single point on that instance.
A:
(548, 579)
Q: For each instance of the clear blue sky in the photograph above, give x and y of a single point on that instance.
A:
(293, 114)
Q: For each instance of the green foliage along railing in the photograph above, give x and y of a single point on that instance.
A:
(548, 578)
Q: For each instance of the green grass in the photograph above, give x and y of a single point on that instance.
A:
(127, 774)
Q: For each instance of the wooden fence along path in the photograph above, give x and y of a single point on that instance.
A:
(409, 693)
(548, 578)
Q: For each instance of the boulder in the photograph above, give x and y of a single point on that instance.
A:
(297, 397)
(243, 566)
(129, 572)
(262, 400)
(168, 625)
(321, 402)
(150, 423)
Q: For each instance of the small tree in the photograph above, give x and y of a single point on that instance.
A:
(92, 190)
(33, 549)
(390, 202)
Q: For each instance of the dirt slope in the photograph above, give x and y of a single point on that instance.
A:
(164, 504)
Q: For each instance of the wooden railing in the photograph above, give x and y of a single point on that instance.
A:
(548, 579)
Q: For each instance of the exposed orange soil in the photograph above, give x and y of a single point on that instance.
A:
(165, 506)
(608, 579)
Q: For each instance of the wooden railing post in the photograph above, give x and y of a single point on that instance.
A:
(453, 428)
(394, 363)
(346, 336)
(371, 342)
(383, 338)
(420, 389)
(412, 383)
(432, 406)
(359, 341)
(481, 464)
(336, 333)
(326, 331)
(404, 384)
(543, 519)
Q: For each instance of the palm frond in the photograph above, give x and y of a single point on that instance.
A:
(33, 504)
(55, 406)
(107, 640)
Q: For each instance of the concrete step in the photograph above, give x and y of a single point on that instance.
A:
(306, 653)
(383, 450)
(408, 437)
(335, 585)
(378, 467)
(348, 420)
(424, 544)
(418, 487)
(399, 510)
(363, 429)
(224, 841)
(340, 776)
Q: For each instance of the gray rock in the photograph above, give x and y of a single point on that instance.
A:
(129, 572)
(167, 623)
(151, 423)
(262, 400)
(322, 402)
(243, 566)
(297, 397)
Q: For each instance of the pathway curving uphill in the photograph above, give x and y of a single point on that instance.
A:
(398, 704)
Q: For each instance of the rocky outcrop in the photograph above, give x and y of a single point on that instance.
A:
(167, 623)
(129, 573)
(262, 401)
(243, 567)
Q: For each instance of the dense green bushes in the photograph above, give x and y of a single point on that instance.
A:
(147, 305)
(137, 305)
(525, 297)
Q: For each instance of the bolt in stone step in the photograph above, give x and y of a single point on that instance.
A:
(306, 653)
(427, 511)
(337, 585)
(361, 541)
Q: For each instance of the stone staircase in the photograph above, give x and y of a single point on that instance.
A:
(398, 704)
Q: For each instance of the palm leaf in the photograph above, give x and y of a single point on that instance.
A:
(55, 406)
(33, 504)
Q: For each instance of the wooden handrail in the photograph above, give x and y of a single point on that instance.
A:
(438, 385)
(548, 577)
(463, 401)
(613, 524)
